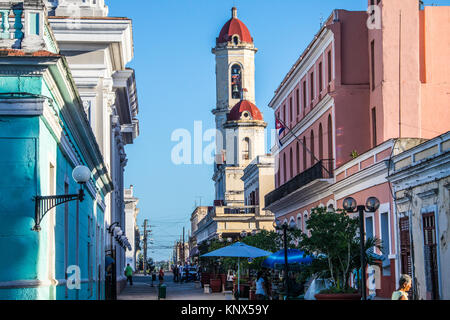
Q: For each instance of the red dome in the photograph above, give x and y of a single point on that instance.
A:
(232, 27)
(244, 105)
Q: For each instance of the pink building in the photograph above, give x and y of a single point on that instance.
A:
(353, 99)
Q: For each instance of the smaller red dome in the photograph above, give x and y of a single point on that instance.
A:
(242, 106)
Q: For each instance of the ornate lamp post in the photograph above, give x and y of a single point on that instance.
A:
(44, 204)
(372, 205)
(285, 228)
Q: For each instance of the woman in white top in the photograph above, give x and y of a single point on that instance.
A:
(260, 290)
(404, 286)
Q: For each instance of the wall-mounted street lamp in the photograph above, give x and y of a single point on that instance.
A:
(113, 230)
(44, 204)
(372, 205)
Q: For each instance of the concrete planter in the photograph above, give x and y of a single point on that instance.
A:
(216, 285)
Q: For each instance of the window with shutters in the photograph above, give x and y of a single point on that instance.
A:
(430, 254)
(405, 246)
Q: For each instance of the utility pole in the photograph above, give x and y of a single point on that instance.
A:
(184, 258)
(145, 246)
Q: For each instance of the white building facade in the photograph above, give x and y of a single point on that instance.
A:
(98, 49)
(420, 179)
(131, 212)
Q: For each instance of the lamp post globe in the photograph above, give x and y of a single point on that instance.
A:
(349, 204)
(372, 204)
(81, 174)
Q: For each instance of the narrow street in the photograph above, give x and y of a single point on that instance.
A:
(142, 290)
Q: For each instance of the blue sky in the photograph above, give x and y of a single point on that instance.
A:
(176, 86)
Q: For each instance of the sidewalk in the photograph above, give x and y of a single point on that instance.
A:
(142, 290)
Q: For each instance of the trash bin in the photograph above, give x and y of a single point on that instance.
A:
(161, 291)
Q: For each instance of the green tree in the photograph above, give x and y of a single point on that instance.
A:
(333, 240)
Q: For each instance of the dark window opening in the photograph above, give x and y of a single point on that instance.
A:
(329, 67)
(236, 81)
(304, 97)
(372, 62)
(291, 119)
(374, 127)
(291, 164)
(320, 142)
(320, 78)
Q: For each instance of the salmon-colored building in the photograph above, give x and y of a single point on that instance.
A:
(370, 85)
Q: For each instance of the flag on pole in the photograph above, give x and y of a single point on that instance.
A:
(280, 128)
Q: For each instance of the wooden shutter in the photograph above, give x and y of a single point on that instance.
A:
(430, 252)
(405, 246)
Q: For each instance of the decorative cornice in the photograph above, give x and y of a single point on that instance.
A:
(22, 106)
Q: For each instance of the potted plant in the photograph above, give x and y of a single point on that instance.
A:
(333, 241)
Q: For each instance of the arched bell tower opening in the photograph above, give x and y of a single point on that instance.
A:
(236, 82)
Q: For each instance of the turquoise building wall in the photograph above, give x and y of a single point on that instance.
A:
(27, 148)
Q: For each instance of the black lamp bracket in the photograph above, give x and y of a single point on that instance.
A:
(44, 204)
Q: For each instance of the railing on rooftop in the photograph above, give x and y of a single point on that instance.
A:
(323, 169)
(23, 24)
(241, 210)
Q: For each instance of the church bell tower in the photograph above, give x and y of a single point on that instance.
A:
(239, 122)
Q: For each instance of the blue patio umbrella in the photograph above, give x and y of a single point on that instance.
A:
(294, 257)
(238, 250)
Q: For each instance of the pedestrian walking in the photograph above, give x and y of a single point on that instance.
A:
(161, 275)
(260, 293)
(174, 270)
(405, 283)
(129, 274)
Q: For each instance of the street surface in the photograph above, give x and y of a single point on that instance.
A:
(142, 290)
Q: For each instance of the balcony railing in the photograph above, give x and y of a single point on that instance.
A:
(321, 170)
(241, 210)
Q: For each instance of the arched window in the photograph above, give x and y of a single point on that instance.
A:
(330, 138)
(246, 149)
(236, 81)
(236, 40)
(305, 218)
(291, 163)
(320, 142)
(312, 148)
(299, 222)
